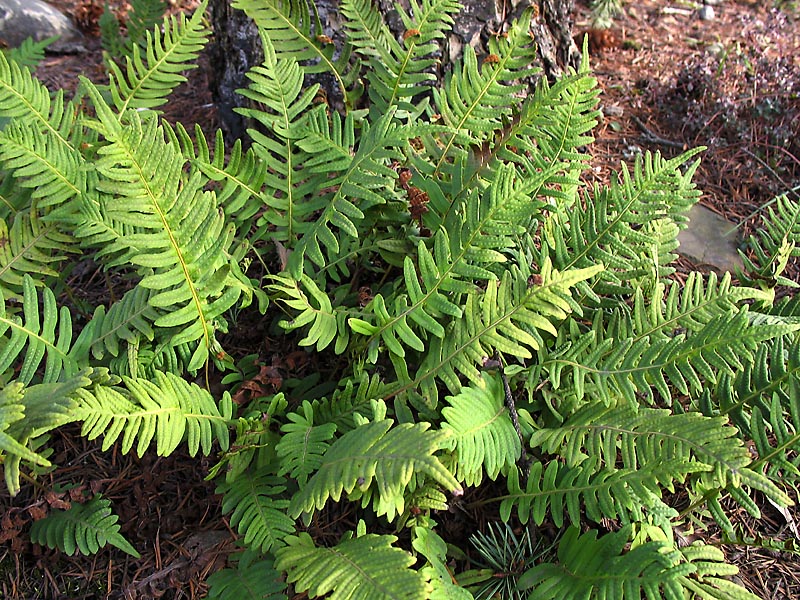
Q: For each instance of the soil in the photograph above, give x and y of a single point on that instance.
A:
(670, 81)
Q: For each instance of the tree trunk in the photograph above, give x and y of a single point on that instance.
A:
(236, 46)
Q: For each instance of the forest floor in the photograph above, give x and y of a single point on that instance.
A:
(670, 81)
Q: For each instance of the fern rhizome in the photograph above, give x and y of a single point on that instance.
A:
(496, 323)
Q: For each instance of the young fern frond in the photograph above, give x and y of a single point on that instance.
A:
(29, 53)
(589, 566)
(169, 409)
(84, 527)
(484, 439)
(257, 511)
(127, 320)
(146, 82)
(379, 454)
(37, 336)
(364, 567)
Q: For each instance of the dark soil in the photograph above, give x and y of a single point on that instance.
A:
(670, 81)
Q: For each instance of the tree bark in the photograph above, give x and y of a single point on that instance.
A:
(237, 47)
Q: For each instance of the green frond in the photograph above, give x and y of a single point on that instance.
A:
(84, 527)
(586, 491)
(30, 246)
(251, 579)
(142, 17)
(315, 307)
(403, 70)
(353, 398)
(169, 50)
(484, 439)
(686, 360)
(774, 243)
(303, 444)
(29, 53)
(293, 27)
(27, 412)
(607, 228)
(507, 317)
(633, 439)
(434, 549)
(283, 106)
(378, 454)
(241, 179)
(362, 568)
(258, 513)
(367, 174)
(168, 409)
(182, 239)
(601, 568)
(40, 334)
(127, 320)
(473, 100)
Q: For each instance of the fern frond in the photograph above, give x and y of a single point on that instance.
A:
(380, 454)
(367, 172)
(170, 48)
(182, 239)
(484, 438)
(474, 101)
(127, 320)
(30, 246)
(303, 444)
(293, 26)
(41, 334)
(634, 438)
(774, 243)
(689, 361)
(27, 413)
(277, 85)
(606, 230)
(242, 178)
(506, 317)
(401, 71)
(84, 527)
(29, 53)
(601, 568)
(363, 568)
(251, 579)
(431, 546)
(168, 409)
(257, 511)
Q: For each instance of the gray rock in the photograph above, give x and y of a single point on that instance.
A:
(710, 241)
(707, 12)
(21, 19)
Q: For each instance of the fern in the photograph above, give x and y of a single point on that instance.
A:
(380, 453)
(251, 579)
(303, 445)
(484, 439)
(363, 567)
(84, 527)
(146, 82)
(774, 244)
(167, 409)
(597, 567)
(257, 511)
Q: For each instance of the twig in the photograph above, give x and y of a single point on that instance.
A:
(524, 461)
(650, 136)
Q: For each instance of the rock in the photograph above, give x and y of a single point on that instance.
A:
(706, 12)
(710, 241)
(21, 19)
